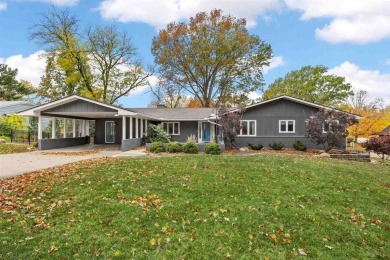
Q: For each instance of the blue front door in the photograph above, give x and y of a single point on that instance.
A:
(206, 132)
(110, 132)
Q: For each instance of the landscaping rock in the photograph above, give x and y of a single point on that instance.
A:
(3, 141)
(244, 149)
(324, 155)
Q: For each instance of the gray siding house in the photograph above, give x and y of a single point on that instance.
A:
(281, 119)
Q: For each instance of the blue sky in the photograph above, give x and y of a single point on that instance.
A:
(350, 37)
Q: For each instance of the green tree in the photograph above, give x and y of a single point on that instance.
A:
(212, 56)
(311, 83)
(10, 87)
(100, 63)
(12, 122)
(67, 61)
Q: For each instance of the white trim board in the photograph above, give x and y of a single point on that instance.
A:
(36, 110)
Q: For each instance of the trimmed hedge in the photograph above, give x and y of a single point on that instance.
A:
(212, 148)
(190, 147)
(299, 146)
(175, 147)
(157, 147)
(255, 146)
(276, 146)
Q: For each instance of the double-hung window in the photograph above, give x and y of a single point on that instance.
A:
(172, 128)
(286, 126)
(327, 126)
(248, 128)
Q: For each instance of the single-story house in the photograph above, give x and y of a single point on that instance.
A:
(385, 132)
(280, 119)
(13, 107)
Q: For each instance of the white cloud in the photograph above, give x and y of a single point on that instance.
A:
(387, 62)
(354, 21)
(159, 13)
(374, 82)
(30, 68)
(3, 6)
(277, 61)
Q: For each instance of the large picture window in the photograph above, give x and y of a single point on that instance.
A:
(172, 128)
(248, 128)
(286, 126)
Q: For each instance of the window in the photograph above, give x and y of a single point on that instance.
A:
(248, 128)
(172, 128)
(327, 127)
(286, 126)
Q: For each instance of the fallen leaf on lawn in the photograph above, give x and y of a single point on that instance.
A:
(302, 252)
(152, 241)
(329, 247)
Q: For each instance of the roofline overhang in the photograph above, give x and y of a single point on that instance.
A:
(36, 111)
(311, 104)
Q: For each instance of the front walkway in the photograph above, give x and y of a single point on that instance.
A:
(20, 163)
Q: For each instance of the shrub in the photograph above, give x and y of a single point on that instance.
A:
(190, 147)
(175, 147)
(212, 148)
(191, 138)
(379, 145)
(157, 147)
(276, 146)
(255, 146)
(298, 145)
(156, 133)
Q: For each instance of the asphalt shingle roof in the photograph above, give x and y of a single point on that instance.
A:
(175, 113)
(13, 107)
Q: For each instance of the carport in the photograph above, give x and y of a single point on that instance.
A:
(113, 125)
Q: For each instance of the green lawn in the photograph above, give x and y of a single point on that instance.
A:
(6, 148)
(239, 207)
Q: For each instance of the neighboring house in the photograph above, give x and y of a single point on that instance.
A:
(14, 107)
(281, 119)
(385, 132)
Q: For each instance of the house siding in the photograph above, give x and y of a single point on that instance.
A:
(267, 118)
(100, 130)
(79, 106)
(186, 129)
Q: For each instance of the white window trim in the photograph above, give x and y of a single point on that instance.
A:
(286, 132)
(330, 127)
(173, 126)
(241, 135)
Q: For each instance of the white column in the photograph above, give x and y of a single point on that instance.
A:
(53, 127)
(136, 127)
(79, 130)
(123, 128)
(74, 127)
(142, 127)
(131, 127)
(82, 122)
(87, 127)
(39, 127)
(146, 127)
(64, 127)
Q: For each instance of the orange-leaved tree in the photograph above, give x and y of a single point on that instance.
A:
(211, 56)
(375, 115)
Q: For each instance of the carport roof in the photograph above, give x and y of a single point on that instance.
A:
(42, 108)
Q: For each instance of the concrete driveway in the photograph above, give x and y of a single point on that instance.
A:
(16, 164)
